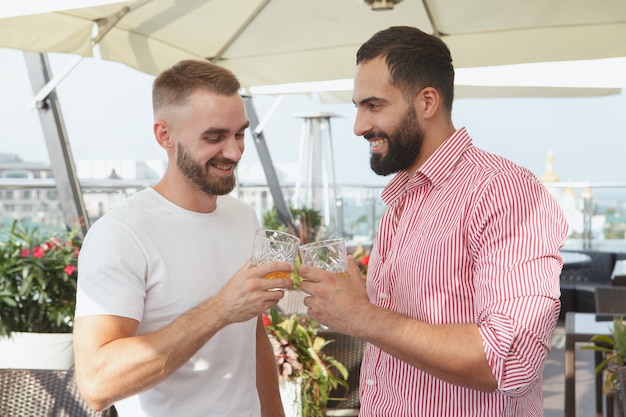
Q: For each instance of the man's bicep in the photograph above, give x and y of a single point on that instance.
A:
(93, 332)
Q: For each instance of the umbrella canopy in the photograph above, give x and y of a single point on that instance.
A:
(285, 41)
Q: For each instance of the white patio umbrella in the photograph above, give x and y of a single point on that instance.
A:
(285, 41)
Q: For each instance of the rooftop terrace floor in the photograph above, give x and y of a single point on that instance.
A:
(554, 379)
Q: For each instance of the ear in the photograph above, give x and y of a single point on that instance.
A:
(162, 135)
(427, 102)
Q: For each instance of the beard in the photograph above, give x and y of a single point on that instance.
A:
(403, 146)
(198, 174)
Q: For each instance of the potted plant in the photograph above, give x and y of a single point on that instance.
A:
(308, 222)
(614, 364)
(37, 292)
(302, 364)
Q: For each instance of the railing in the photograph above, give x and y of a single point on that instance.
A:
(359, 208)
(36, 200)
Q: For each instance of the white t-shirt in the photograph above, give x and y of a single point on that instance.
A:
(152, 261)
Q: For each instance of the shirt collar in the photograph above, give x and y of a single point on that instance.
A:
(437, 168)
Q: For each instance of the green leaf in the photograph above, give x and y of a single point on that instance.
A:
(340, 367)
(597, 348)
(601, 338)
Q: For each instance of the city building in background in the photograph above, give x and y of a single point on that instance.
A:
(27, 192)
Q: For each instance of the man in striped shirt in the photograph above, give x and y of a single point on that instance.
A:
(462, 293)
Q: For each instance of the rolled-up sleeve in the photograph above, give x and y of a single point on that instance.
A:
(516, 245)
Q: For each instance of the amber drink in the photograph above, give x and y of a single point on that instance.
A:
(273, 245)
(277, 274)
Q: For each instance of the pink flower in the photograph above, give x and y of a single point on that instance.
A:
(38, 252)
(69, 269)
(25, 253)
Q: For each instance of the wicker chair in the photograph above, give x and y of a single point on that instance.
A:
(349, 351)
(610, 300)
(579, 283)
(43, 393)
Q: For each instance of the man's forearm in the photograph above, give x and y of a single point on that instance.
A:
(450, 352)
(106, 375)
(267, 376)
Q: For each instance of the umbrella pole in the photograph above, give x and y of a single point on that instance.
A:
(61, 159)
(284, 214)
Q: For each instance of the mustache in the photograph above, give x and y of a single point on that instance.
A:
(371, 135)
(222, 161)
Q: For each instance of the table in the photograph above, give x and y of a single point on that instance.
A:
(580, 327)
(574, 260)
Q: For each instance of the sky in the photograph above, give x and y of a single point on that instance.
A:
(107, 112)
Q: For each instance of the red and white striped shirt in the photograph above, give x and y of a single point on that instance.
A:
(470, 238)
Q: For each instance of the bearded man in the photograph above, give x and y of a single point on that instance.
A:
(462, 291)
(168, 316)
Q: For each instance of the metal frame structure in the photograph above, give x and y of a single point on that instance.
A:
(284, 214)
(61, 159)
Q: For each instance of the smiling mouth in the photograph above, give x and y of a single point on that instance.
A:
(222, 166)
(377, 143)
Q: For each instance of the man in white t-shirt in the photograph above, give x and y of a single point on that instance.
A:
(168, 308)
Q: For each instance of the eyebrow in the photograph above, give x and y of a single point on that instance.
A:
(222, 130)
(368, 100)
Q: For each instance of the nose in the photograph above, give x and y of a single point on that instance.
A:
(233, 149)
(361, 124)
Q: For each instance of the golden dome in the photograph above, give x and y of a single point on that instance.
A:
(550, 175)
(568, 192)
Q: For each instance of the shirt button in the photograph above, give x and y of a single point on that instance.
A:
(369, 382)
(383, 295)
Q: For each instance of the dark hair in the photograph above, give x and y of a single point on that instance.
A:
(415, 59)
(176, 84)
